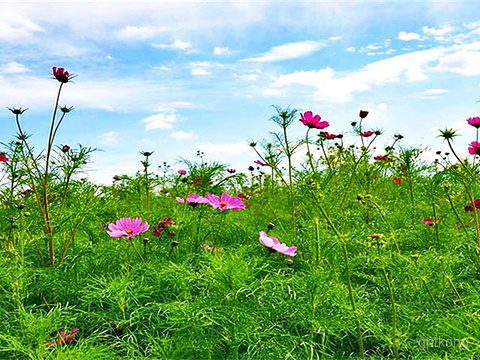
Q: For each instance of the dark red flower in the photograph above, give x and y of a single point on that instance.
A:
(381, 157)
(328, 136)
(65, 148)
(231, 171)
(397, 180)
(60, 74)
(363, 114)
(116, 178)
(469, 207)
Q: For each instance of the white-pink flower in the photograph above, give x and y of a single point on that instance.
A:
(273, 243)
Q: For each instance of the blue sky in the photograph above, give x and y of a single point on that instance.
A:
(177, 77)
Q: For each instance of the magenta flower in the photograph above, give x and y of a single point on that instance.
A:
(261, 163)
(380, 157)
(273, 243)
(60, 74)
(367, 133)
(313, 121)
(225, 202)
(193, 199)
(182, 172)
(429, 221)
(474, 148)
(3, 157)
(397, 180)
(127, 227)
(474, 121)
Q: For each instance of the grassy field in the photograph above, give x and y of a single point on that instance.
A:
(385, 264)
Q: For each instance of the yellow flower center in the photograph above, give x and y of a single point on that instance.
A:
(223, 203)
(128, 231)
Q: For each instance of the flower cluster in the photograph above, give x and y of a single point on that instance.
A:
(65, 337)
(162, 226)
(469, 207)
(275, 245)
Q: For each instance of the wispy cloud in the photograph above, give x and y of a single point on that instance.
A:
(289, 51)
(130, 32)
(15, 28)
(110, 138)
(176, 45)
(15, 68)
(445, 29)
(181, 135)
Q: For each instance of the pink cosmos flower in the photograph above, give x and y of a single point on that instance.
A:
(474, 121)
(193, 199)
(261, 163)
(367, 133)
(313, 121)
(474, 148)
(60, 74)
(182, 172)
(381, 157)
(397, 180)
(127, 227)
(273, 243)
(225, 202)
(429, 221)
(3, 157)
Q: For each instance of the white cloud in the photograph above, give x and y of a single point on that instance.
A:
(289, 51)
(139, 32)
(462, 62)
(176, 45)
(402, 35)
(200, 72)
(181, 135)
(237, 148)
(221, 51)
(444, 29)
(15, 68)
(334, 38)
(351, 49)
(163, 120)
(110, 138)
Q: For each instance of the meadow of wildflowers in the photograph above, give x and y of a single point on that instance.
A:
(360, 252)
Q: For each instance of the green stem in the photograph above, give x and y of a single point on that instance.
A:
(394, 314)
